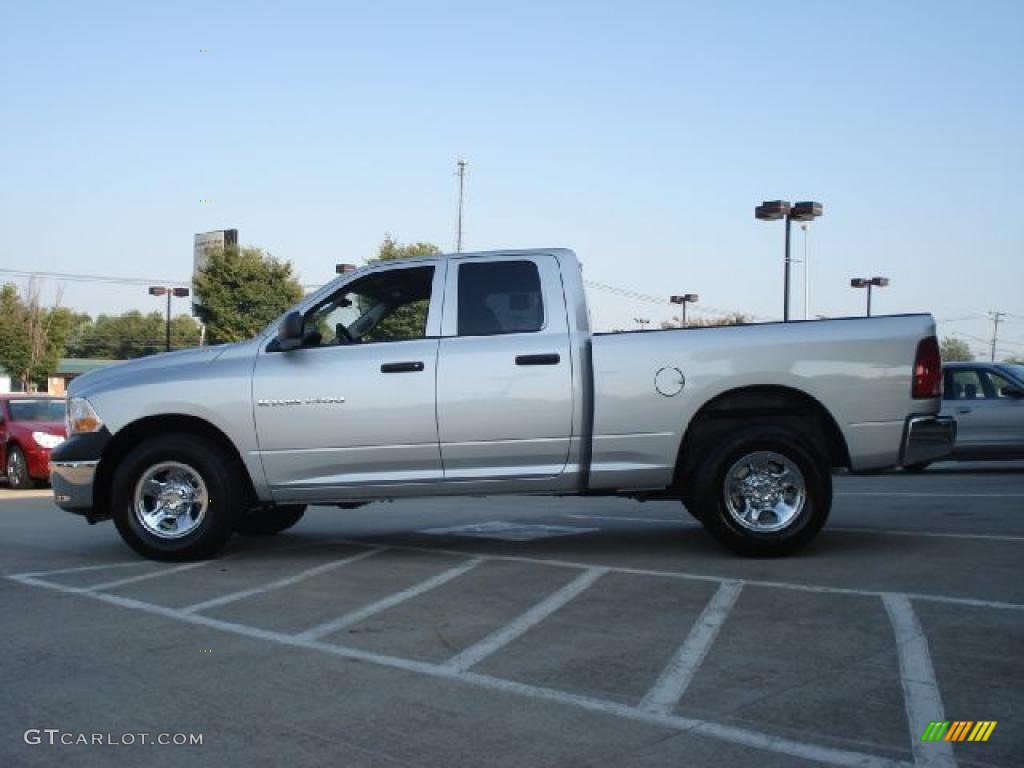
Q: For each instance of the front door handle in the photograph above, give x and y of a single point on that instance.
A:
(552, 358)
(963, 410)
(401, 367)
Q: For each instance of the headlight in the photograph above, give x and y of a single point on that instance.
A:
(81, 417)
(46, 440)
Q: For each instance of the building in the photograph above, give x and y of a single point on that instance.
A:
(68, 368)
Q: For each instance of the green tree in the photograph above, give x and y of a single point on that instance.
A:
(31, 336)
(241, 290)
(132, 334)
(955, 350)
(391, 249)
(408, 321)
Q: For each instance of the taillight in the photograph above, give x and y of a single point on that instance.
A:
(927, 370)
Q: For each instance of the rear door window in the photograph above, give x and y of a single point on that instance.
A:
(499, 297)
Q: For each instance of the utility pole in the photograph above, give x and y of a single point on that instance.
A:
(461, 173)
(996, 317)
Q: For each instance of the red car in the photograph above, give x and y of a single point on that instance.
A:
(30, 427)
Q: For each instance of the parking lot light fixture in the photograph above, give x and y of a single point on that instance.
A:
(160, 290)
(683, 300)
(773, 210)
(869, 283)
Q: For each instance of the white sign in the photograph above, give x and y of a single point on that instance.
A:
(203, 245)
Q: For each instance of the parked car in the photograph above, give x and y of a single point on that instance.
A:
(30, 427)
(477, 374)
(987, 402)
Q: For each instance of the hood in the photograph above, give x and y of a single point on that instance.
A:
(131, 368)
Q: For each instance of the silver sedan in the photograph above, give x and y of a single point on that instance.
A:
(987, 401)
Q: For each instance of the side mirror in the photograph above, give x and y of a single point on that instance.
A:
(289, 333)
(1013, 391)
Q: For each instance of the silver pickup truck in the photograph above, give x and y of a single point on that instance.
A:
(477, 374)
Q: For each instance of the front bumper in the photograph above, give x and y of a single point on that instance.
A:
(73, 466)
(927, 438)
(38, 463)
(72, 483)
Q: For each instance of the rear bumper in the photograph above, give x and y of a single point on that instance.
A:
(72, 483)
(927, 438)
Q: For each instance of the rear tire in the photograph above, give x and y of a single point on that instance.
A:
(177, 497)
(763, 491)
(267, 522)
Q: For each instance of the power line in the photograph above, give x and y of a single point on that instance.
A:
(90, 278)
(650, 299)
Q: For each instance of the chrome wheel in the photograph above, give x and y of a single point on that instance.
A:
(17, 472)
(764, 491)
(170, 500)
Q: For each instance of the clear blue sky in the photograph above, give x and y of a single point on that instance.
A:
(640, 134)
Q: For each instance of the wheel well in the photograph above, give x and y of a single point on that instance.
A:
(133, 434)
(781, 406)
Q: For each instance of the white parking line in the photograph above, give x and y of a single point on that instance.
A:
(315, 633)
(920, 690)
(687, 576)
(933, 495)
(533, 616)
(879, 531)
(86, 568)
(280, 583)
(145, 576)
(719, 731)
(676, 677)
(929, 534)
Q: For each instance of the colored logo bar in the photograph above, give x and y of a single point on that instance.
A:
(959, 730)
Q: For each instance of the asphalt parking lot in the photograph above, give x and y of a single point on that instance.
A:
(528, 632)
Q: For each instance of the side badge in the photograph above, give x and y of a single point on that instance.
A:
(669, 381)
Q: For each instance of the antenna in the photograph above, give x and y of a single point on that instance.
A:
(461, 173)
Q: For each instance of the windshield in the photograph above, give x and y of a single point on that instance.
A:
(37, 410)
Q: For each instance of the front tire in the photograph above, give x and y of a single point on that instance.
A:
(763, 492)
(177, 497)
(18, 478)
(916, 468)
(267, 522)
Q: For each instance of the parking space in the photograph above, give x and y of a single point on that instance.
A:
(535, 631)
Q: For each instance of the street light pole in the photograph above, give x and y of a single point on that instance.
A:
(159, 290)
(785, 286)
(773, 210)
(807, 268)
(869, 283)
(684, 299)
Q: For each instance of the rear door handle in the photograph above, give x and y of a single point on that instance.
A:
(552, 358)
(401, 367)
(963, 410)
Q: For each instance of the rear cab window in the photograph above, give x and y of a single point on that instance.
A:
(499, 297)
